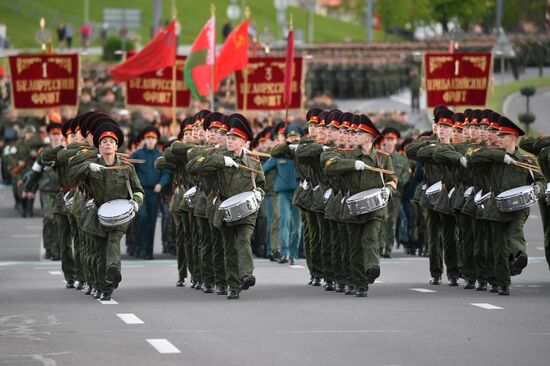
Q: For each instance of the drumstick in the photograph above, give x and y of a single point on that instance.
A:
(115, 167)
(135, 161)
(254, 159)
(250, 169)
(257, 153)
(528, 168)
(380, 170)
(527, 165)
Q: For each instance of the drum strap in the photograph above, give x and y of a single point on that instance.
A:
(245, 162)
(128, 185)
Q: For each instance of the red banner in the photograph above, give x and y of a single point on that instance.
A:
(155, 88)
(266, 84)
(44, 81)
(457, 79)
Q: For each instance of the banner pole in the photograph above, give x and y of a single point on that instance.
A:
(212, 65)
(174, 97)
(245, 91)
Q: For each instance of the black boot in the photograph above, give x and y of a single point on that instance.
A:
(482, 286)
(470, 285)
(435, 280)
(504, 291)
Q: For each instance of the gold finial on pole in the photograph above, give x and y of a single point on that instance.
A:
(174, 12)
(247, 12)
(291, 24)
(42, 23)
(212, 9)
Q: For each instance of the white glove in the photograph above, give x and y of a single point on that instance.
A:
(464, 161)
(359, 165)
(325, 148)
(258, 195)
(385, 193)
(508, 159)
(135, 204)
(95, 167)
(293, 147)
(230, 162)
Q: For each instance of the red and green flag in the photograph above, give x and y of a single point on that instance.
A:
(198, 70)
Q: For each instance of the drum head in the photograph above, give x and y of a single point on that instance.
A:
(236, 199)
(190, 192)
(367, 193)
(486, 196)
(114, 208)
(436, 187)
(515, 191)
(477, 197)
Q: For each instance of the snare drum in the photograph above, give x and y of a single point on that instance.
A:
(327, 194)
(468, 192)
(433, 192)
(479, 198)
(189, 195)
(516, 199)
(115, 213)
(239, 206)
(366, 201)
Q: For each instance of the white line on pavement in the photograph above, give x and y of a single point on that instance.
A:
(163, 346)
(486, 306)
(130, 318)
(423, 290)
(540, 248)
(378, 281)
(297, 266)
(110, 302)
(55, 273)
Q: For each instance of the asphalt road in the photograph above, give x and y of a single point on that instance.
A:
(403, 321)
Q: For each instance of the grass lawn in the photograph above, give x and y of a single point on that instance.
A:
(22, 18)
(494, 100)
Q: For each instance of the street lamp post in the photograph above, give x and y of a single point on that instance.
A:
(503, 49)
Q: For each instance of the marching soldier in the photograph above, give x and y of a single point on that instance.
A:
(109, 184)
(402, 170)
(44, 178)
(234, 179)
(506, 228)
(363, 230)
(540, 147)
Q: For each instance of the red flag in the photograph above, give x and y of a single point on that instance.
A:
(156, 55)
(287, 96)
(234, 53)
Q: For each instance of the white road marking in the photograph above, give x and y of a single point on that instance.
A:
(486, 306)
(23, 236)
(297, 266)
(163, 346)
(378, 281)
(34, 227)
(540, 248)
(55, 273)
(110, 302)
(534, 286)
(424, 290)
(130, 318)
